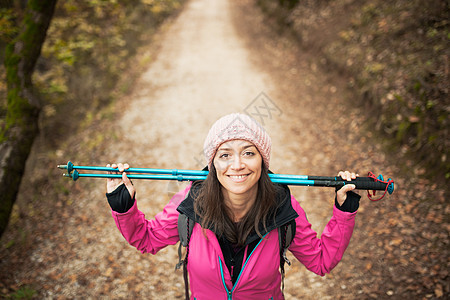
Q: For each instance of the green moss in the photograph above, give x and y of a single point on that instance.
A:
(18, 108)
(24, 292)
(402, 129)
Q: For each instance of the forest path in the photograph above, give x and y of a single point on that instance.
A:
(218, 57)
(204, 70)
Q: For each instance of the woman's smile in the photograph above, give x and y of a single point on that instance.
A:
(238, 178)
(238, 165)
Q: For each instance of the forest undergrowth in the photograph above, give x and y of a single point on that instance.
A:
(90, 45)
(93, 55)
(395, 58)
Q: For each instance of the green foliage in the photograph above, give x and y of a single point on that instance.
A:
(89, 45)
(8, 29)
(409, 39)
(396, 54)
(23, 293)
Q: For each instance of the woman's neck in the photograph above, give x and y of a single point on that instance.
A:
(239, 204)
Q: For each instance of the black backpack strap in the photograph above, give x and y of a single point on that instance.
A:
(286, 234)
(184, 231)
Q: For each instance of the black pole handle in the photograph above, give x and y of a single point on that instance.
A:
(360, 184)
(339, 178)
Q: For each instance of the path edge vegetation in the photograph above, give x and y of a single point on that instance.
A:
(85, 60)
(394, 56)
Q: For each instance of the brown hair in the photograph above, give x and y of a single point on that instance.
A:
(215, 215)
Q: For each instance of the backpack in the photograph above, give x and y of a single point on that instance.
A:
(185, 226)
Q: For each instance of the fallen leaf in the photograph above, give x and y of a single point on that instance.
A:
(395, 242)
(439, 291)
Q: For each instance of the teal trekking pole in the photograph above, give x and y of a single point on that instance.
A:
(362, 183)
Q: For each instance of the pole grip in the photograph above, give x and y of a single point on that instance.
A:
(364, 185)
(337, 178)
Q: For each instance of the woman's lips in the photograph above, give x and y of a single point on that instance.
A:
(238, 178)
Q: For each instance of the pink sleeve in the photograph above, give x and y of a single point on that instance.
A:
(322, 255)
(150, 236)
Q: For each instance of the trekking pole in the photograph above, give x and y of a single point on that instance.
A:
(362, 183)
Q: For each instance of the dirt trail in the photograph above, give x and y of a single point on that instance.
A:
(203, 71)
(216, 58)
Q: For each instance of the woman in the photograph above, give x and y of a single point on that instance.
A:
(234, 246)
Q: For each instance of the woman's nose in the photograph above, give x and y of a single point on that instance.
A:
(236, 164)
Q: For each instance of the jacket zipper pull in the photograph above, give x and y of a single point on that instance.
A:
(232, 268)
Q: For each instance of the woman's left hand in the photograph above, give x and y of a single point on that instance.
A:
(341, 194)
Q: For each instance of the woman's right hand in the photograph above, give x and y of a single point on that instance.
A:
(113, 183)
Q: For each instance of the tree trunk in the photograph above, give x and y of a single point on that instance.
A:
(21, 126)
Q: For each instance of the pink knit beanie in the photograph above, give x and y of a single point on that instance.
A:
(237, 127)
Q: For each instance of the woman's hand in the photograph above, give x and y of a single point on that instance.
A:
(341, 194)
(113, 183)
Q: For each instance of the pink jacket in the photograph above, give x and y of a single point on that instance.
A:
(260, 276)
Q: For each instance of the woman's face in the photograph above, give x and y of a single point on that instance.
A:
(238, 165)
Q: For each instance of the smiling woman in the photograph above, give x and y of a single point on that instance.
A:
(237, 150)
(237, 212)
(238, 166)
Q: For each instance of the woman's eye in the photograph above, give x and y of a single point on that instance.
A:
(249, 153)
(224, 155)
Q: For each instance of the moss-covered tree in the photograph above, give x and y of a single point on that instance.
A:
(23, 104)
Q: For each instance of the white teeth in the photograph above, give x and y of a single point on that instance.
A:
(238, 176)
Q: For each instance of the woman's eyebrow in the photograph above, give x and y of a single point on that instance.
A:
(225, 148)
